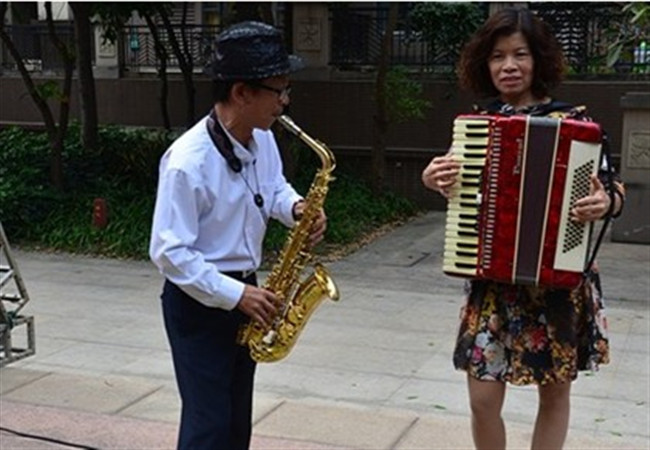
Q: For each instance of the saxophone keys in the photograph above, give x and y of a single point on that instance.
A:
(296, 314)
(269, 338)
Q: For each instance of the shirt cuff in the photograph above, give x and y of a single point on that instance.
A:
(231, 292)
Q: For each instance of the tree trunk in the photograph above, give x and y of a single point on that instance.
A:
(185, 62)
(57, 138)
(380, 118)
(87, 98)
(162, 69)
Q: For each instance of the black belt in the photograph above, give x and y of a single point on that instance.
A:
(240, 275)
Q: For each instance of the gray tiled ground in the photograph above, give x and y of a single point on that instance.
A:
(371, 371)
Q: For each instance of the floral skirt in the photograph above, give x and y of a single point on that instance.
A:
(529, 335)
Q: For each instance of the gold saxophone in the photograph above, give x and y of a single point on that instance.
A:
(296, 300)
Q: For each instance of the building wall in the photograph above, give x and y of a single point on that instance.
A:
(336, 111)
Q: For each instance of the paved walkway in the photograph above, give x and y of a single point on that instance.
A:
(372, 371)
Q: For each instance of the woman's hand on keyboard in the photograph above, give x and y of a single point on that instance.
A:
(441, 174)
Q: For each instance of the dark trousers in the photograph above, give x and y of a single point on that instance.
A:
(214, 374)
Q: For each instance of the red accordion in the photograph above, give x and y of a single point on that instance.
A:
(508, 215)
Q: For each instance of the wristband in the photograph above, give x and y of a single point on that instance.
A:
(622, 198)
(612, 204)
(296, 217)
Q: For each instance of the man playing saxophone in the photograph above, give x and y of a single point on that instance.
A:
(219, 184)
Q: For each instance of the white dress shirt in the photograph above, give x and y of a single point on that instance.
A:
(206, 221)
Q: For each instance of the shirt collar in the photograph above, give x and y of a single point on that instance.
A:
(540, 109)
(245, 155)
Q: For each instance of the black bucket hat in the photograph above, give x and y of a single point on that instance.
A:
(251, 51)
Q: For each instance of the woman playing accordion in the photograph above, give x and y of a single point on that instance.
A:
(520, 333)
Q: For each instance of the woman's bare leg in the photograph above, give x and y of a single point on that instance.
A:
(552, 421)
(486, 400)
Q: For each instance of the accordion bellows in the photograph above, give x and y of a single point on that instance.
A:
(508, 214)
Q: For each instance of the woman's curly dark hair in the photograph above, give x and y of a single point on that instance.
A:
(549, 64)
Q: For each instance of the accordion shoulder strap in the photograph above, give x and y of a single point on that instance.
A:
(608, 215)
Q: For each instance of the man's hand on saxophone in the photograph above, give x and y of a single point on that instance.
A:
(258, 304)
(317, 232)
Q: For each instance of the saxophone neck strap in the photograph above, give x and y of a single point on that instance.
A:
(222, 142)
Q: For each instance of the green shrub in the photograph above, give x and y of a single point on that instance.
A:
(25, 194)
(352, 211)
(134, 153)
(123, 171)
(69, 226)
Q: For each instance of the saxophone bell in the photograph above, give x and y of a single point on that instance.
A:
(277, 342)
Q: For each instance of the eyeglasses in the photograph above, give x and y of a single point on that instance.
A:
(282, 93)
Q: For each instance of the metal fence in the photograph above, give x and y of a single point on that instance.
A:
(358, 31)
(138, 52)
(35, 46)
(585, 30)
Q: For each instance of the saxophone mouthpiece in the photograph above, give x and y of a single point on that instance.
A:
(290, 125)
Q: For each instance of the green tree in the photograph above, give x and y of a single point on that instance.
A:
(632, 34)
(48, 90)
(397, 99)
(381, 119)
(446, 26)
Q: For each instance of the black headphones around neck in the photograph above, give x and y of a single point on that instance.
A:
(222, 142)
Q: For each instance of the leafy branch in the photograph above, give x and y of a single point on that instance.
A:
(636, 31)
